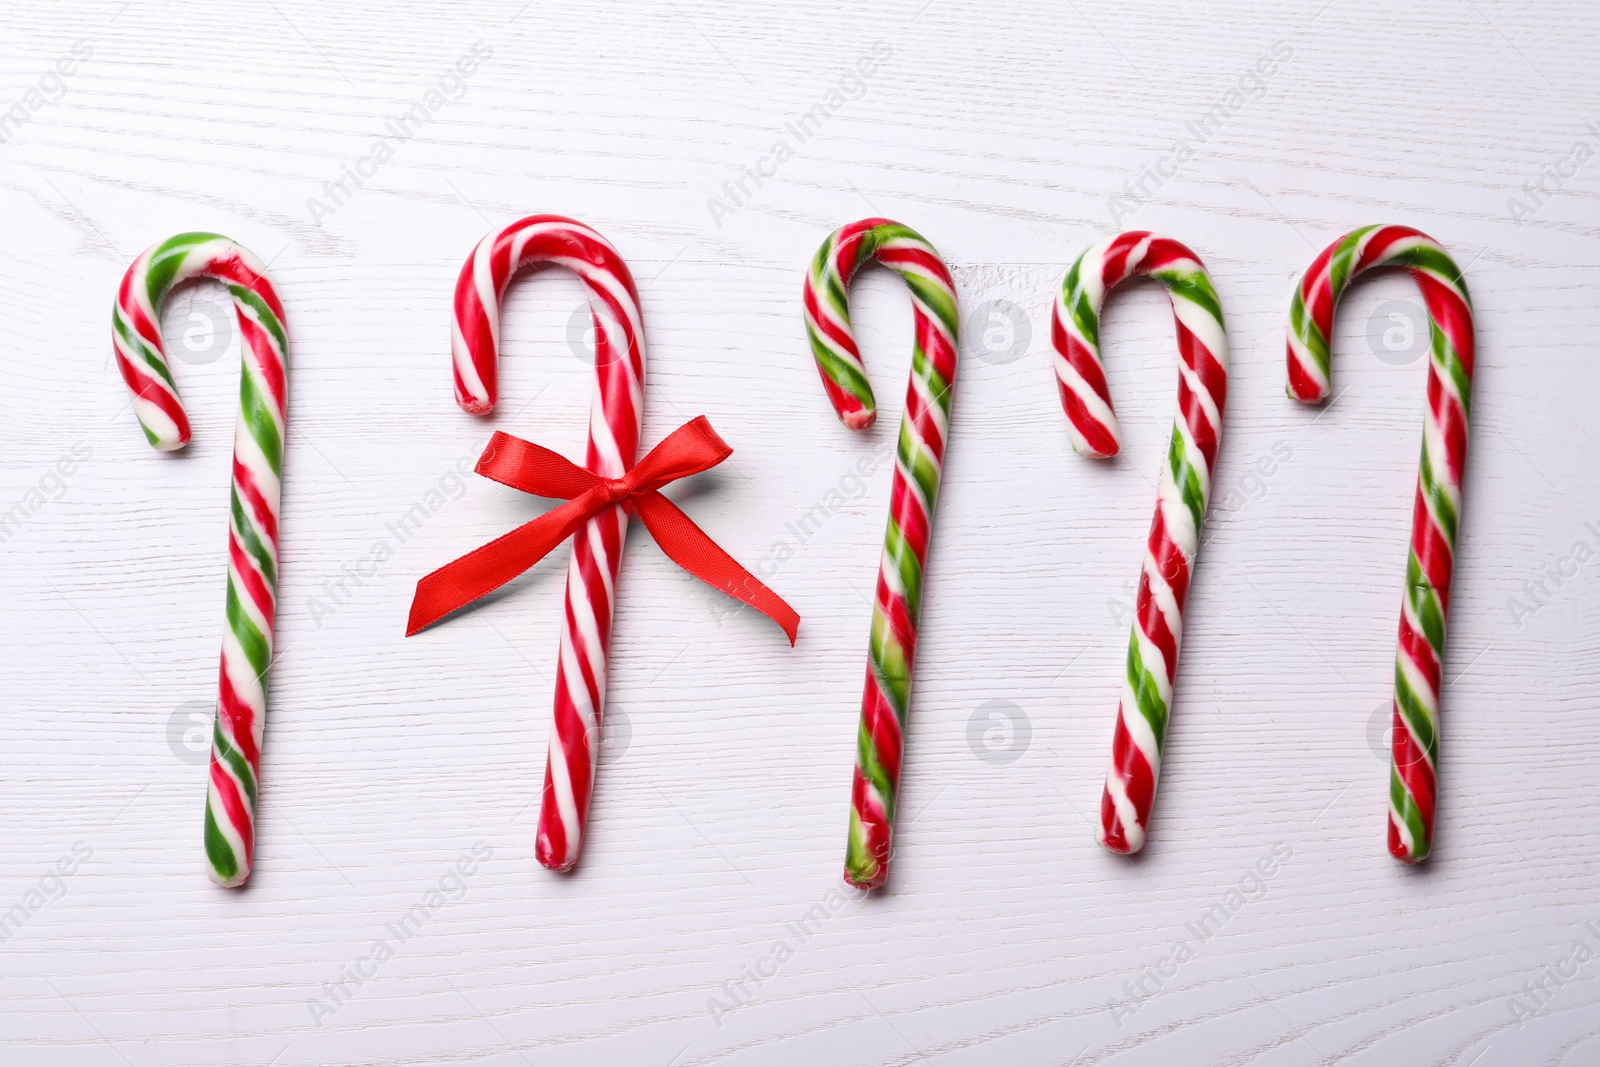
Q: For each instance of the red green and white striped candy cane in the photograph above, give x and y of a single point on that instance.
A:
(1181, 497)
(253, 508)
(919, 461)
(1435, 517)
(615, 421)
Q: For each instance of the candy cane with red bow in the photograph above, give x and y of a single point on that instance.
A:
(616, 416)
(602, 494)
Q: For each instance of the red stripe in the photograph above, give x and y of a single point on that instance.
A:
(920, 412)
(1130, 767)
(232, 268)
(151, 388)
(1445, 410)
(268, 365)
(264, 514)
(1380, 242)
(133, 309)
(1415, 649)
(240, 717)
(1111, 828)
(1302, 385)
(1082, 360)
(910, 256)
(1117, 264)
(1411, 764)
(1433, 552)
(550, 844)
(1163, 253)
(1207, 435)
(1316, 292)
(883, 727)
(834, 331)
(936, 347)
(472, 319)
(235, 811)
(254, 586)
(875, 829)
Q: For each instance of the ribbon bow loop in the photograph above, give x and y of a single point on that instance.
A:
(690, 449)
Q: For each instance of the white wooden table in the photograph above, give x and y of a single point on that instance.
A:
(707, 923)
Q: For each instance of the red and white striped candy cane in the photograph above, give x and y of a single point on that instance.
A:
(615, 419)
(1181, 496)
(1436, 516)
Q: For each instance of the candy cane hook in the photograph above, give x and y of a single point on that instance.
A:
(253, 509)
(615, 420)
(919, 461)
(1181, 496)
(1435, 517)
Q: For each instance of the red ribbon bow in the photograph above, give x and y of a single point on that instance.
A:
(690, 449)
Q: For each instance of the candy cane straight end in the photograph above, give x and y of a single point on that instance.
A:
(866, 857)
(254, 505)
(875, 880)
(1436, 515)
(919, 462)
(1185, 488)
(1112, 834)
(550, 859)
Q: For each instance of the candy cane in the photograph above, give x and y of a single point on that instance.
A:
(257, 485)
(919, 461)
(615, 419)
(1419, 662)
(1181, 497)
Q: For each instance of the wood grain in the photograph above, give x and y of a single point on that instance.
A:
(999, 131)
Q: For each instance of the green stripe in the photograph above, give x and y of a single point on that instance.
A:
(1085, 316)
(262, 419)
(858, 859)
(168, 259)
(889, 664)
(1447, 363)
(1342, 263)
(224, 750)
(841, 371)
(1424, 601)
(269, 321)
(1439, 502)
(1311, 336)
(1193, 286)
(1418, 722)
(920, 461)
(1187, 479)
(130, 337)
(872, 770)
(257, 646)
(218, 851)
(938, 299)
(1434, 260)
(1146, 693)
(257, 549)
(1410, 814)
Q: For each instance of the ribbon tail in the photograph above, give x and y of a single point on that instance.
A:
(483, 570)
(690, 548)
